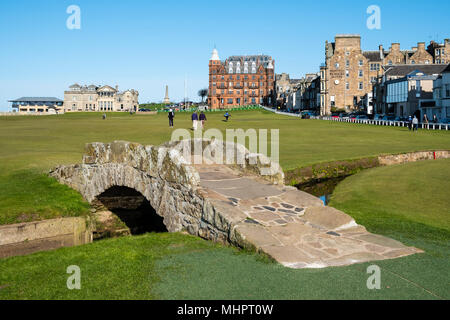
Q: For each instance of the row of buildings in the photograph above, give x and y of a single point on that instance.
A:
(350, 78)
(81, 99)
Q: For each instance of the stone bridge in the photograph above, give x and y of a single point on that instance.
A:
(229, 195)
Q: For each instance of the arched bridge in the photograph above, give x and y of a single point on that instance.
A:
(242, 202)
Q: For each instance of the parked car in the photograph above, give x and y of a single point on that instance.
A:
(389, 118)
(444, 121)
(335, 115)
(402, 119)
(378, 117)
(362, 117)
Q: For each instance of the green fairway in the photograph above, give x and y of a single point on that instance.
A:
(399, 196)
(31, 146)
(406, 202)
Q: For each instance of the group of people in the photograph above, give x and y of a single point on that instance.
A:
(413, 122)
(196, 119)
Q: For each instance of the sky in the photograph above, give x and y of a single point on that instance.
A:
(148, 44)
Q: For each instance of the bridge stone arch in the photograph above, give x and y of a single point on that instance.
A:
(168, 180)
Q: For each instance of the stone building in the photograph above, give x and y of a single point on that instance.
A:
(284, 86)
(241, 80)
(102, 99)
(440, 51)
(349, 73)
(305, 95)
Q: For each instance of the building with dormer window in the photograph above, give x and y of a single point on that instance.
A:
(231, 85)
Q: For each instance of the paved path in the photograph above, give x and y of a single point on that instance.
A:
(291, 226)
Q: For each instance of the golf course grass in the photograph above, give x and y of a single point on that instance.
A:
(409, 203)
(31, 146)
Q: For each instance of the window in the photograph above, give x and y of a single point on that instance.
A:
(347, 63)
(447, 90)
(347, 73)
(374, 67)
(361, 86)
(360, 74)
(413, 62)
(347, 86)
(390, 62)
(336, 65)
(361, 63)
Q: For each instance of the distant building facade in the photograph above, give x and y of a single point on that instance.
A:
(349, 73)
(241, 80)
(440, 51)
(305, 94)
(101, 99)
(284, 86)
(37, 105)
(439, 106)
(402, 88)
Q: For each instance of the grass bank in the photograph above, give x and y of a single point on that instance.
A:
(31, 146)
(406, 202)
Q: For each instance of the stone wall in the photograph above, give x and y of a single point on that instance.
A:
(413, 157)
(336, 169)
(25, 238)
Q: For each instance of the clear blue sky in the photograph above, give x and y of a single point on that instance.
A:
(146, 44)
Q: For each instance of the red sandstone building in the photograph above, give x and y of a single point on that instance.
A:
(240, 81)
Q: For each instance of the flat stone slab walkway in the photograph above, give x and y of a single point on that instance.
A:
(291, 226)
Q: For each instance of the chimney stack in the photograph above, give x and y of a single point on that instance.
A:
(395, 47)
(421, 45)
(381, 51)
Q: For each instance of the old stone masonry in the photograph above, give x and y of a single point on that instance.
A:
(243, 202)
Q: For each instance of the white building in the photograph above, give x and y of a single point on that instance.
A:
(440, 104)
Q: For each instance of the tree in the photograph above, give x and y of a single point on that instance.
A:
(203, 93)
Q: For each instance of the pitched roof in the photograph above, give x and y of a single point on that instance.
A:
(37, 99)
(372, 55)
(403, 70)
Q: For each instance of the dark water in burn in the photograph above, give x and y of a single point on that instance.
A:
(321, 189)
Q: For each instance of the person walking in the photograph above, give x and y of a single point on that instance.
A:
(435, 119)
(194, 120)
(202, 119)
(410, 124)
(227, 115)
(415, 124)
(104, 116)
(425, 120)
(171, 116)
